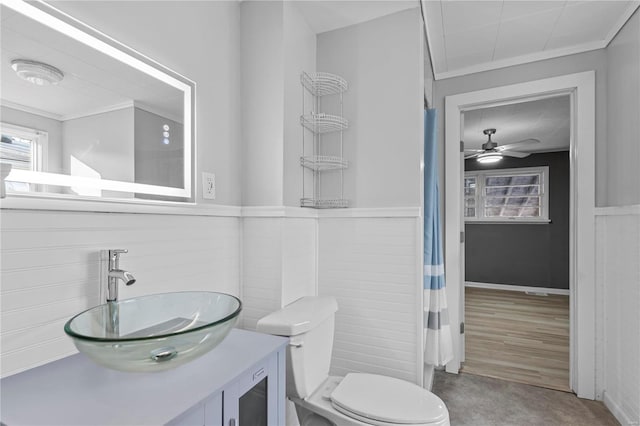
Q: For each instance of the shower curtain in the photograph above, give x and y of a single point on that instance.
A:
(438, 349)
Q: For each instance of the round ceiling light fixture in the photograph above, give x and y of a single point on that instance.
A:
(35, 72)
(489, 157)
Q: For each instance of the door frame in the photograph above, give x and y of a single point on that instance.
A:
(581, 88)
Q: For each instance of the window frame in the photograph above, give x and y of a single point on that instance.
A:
(40, 149)
(480, 198)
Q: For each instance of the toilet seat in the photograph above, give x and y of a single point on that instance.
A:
(384, 401)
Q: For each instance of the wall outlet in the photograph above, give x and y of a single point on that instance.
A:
(208, 186)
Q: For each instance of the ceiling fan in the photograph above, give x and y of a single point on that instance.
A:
(491, 152)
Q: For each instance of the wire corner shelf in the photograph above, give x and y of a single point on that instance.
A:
(329, 203)
(312, 120)
(323, 162)
(323, 123)
(323, 83)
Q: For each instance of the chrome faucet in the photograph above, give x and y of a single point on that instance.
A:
(115, 274)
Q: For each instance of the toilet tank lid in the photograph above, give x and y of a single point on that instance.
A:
(298, 317)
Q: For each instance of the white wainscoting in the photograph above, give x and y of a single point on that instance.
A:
(278, 263)
(261, 268)
(369, 259)
(50, 269)
(618, 287)
(369, 265)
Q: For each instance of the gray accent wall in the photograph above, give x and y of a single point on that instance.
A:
(535, 255)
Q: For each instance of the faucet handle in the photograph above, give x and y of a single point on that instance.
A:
(114, 255)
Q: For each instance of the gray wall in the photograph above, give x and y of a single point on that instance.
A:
(103, 143)
(155, 162)
(623, 116)
(277, 45)
(535, 255)
(299, 55)
(382, 60)
(589, 61)
(262, 106)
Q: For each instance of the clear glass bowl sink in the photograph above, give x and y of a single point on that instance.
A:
(156, 332)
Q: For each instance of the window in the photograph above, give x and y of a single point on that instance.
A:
(24, 149)
(507, 195)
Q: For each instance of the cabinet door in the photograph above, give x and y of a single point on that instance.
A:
(208, 413)
(213, 411)
(192, 417)
(252, 399)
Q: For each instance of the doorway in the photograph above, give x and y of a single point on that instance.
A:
(581, 90)
(516, 215)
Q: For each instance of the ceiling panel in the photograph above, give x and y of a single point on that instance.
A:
(461, 32)
(575, 23)
(323, 15)
(463, 16)
(523, 9)
(436, 41)
(547, 120)
(470, 44)
(522, 35)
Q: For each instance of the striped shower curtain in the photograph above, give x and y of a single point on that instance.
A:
(438, 349)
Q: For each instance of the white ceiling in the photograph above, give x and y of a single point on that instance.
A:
(93, 81)
(328, 15)
(477, 35)
(547, 120)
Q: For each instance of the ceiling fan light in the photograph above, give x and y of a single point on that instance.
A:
(490, 157)
(38, 73)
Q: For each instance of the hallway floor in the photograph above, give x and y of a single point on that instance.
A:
(515, 336)
(484, 401)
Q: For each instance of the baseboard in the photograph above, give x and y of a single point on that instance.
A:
(508, 287)
(617, 411)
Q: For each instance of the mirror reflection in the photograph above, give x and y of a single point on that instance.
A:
(69, 109)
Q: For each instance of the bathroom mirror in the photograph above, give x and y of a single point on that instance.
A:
(85, 116)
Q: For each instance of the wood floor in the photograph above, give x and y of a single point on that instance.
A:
(515, 336)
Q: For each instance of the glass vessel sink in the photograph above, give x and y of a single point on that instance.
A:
(156, 332)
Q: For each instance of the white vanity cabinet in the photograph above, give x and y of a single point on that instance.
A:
(207, 413)
(252, 399)
(240, 382)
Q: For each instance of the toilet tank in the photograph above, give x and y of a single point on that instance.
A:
(309, 323)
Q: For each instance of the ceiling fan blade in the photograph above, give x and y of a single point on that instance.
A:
(516, 154)
(511, 145)
(466, 157)
(473, 150)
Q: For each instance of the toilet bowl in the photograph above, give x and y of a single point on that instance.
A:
(355, 399)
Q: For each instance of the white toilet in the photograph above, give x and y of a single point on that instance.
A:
(357, 398)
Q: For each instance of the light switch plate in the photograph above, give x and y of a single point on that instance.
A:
(208, 186)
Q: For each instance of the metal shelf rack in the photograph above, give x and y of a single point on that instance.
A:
(317, 124)
(326, 203)
(323, 123)
(323, 162)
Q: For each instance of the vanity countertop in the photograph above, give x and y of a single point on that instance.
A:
(75, 391)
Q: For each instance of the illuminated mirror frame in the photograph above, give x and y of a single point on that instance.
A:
(71, 27)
